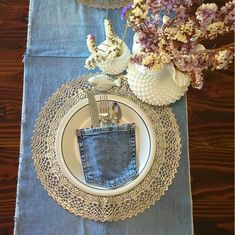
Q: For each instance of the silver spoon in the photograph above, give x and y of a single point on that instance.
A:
(116, 113)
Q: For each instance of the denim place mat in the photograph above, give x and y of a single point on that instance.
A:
(55, 55)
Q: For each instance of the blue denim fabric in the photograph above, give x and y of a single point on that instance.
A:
(172, 215)
(108, 154)
(59, 28)
(56, 54)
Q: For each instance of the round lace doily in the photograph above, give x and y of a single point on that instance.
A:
(104, 208)
(106, 4)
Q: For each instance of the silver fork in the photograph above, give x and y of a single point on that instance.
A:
(104, 114)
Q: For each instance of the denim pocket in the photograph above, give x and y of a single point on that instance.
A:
(108, 154)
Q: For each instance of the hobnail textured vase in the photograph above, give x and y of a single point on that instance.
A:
(162, 87)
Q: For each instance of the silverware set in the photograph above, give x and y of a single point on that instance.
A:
(116, 113)
(104, 110)
(108, 112)
(94, 113)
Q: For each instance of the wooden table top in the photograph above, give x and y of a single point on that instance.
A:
(210, 131)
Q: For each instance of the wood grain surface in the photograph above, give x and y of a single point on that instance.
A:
(210, 132)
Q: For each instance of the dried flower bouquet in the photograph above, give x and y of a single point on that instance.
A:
(174, 31)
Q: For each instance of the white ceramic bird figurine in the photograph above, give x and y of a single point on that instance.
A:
(103, 82)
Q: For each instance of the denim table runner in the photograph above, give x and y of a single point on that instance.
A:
(56, 52)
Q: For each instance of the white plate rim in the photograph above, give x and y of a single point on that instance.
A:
(124, 188)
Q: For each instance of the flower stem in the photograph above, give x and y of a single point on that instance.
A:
(228, 46)
(105, 44)
(124, 34)
(100, 49)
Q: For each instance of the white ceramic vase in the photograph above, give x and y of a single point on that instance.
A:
(161, 87)
(116, 65)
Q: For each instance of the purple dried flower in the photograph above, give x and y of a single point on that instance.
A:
(227, 14)
(179, 37)
(197, 79)
(206, 13)
(125, 11)
(91, 37)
